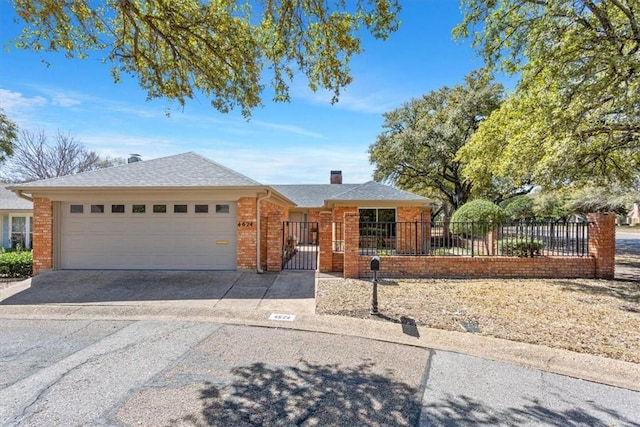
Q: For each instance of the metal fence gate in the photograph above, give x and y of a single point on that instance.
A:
(300, 245)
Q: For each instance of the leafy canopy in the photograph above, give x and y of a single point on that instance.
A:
(218, 47)
(8, 136)
(417, 148)
(575, 114)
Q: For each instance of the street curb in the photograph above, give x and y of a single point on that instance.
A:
(563, 362)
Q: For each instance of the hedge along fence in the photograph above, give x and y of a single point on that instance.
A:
(15, 265)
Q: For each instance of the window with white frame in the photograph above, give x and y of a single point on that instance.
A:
(21, 228)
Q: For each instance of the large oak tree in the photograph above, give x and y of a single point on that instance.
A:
(575, 114)
(417, 148)
(217, 47)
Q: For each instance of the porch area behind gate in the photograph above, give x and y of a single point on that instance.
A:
(300, 245)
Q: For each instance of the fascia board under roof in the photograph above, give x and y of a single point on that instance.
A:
(21, 210)
(401, 202)
(82, 190)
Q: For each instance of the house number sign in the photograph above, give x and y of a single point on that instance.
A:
(245, 224)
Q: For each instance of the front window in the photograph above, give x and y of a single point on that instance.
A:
(21, 234)
(377, 229)
(377, 215)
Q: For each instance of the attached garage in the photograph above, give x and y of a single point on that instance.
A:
(182, 212)
(148, 235)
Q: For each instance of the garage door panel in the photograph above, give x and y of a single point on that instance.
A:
(148, 241)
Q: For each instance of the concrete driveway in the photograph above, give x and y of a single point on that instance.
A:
(219, 290)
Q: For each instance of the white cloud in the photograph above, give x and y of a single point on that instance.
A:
(297, 165)
(296, 130)
(364, 95)
(65, 101)
(15, 103)
(300, 164)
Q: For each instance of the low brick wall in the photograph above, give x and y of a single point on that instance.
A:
(600, 263)
(481, 267)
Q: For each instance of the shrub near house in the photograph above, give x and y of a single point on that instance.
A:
(16, 264)
(474, 219)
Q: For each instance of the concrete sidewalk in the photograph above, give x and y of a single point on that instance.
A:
(283, 300)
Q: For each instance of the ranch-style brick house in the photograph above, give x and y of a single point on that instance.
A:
(187, 212)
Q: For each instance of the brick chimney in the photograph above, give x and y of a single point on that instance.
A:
(336, 177)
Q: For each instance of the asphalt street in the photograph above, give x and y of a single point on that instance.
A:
(177, 373)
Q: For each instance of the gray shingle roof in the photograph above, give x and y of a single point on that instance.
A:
(375, 191)
(313, 196)
(9, 201)
(181, 170)
(193, 170)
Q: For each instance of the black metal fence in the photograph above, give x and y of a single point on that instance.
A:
(300, 245)
(523, 239)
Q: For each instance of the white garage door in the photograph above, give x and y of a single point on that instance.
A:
(183, 236)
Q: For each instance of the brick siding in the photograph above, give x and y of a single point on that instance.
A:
(42, 235)
(247, 231)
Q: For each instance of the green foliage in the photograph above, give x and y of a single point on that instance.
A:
(560, 204)
(519, 207)
(552, 205)
(417, 148)
(216, 47)
(479, 210)
(574, 116)
(16, 264)
(601, 199)
(476, 218)
(8, 136)
(521, 247)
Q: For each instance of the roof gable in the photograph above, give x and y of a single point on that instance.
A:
(181, 170)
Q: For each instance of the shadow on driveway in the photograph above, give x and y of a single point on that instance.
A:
(95, 286)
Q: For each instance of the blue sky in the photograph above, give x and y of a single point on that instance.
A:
(294, 143)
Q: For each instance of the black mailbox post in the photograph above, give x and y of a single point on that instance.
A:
(375, 267)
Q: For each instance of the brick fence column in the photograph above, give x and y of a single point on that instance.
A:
(42, 235)
(325, 239)
(602, 243)
(351, 245)
(274, 241)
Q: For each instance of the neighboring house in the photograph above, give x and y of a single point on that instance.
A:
(16, 220)
(187, 212)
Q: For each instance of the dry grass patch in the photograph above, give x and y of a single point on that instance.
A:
(588, 316)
